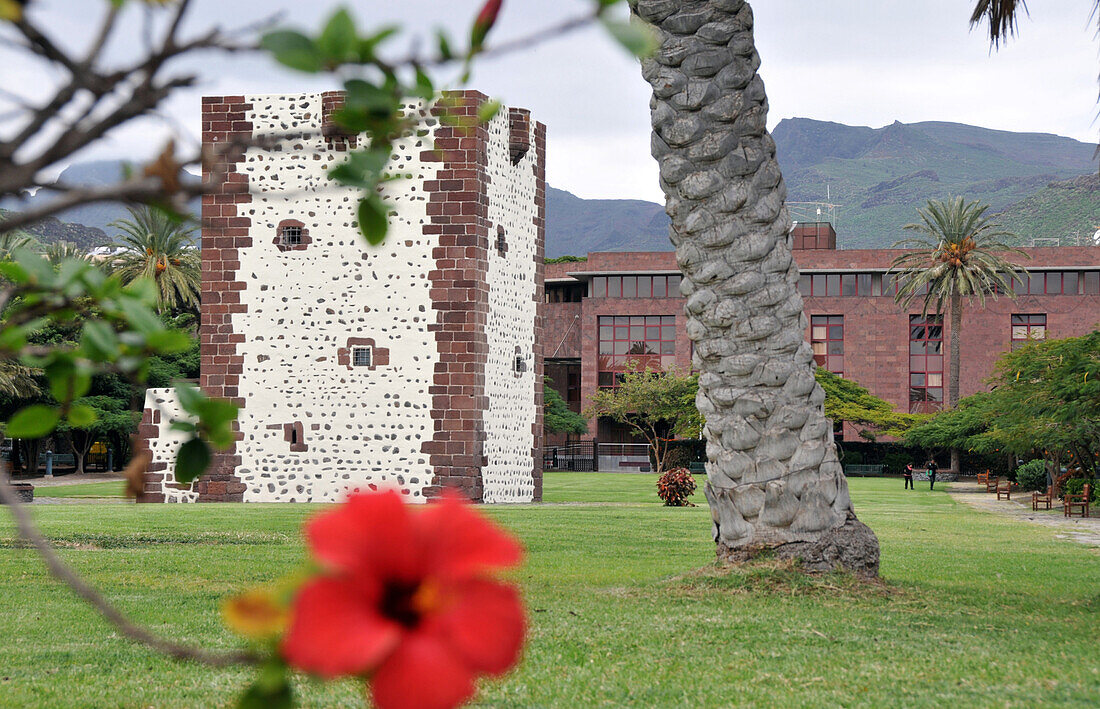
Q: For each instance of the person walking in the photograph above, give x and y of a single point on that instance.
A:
(908, 476)
(932, 468)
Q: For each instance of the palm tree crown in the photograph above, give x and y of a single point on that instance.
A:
(162, 249)
(956, 255)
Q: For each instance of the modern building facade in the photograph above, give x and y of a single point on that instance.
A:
(410, 365)
(620, 308)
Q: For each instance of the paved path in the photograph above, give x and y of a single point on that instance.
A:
(1083, 531)
(43, 481)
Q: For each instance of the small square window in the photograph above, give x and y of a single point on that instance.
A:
(361, 357)
(291, 235)
(521, 364)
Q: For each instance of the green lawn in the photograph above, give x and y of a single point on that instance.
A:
(110, 488)
(625, 607)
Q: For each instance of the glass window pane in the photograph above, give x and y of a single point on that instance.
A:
(653, 332)
(916, 333)
(1092, 283)
(836, 363)
(606, 379)
(836, 319)
(674, 286)
(848, 284)
(599, 287)
(832, 284)
(1019, 286)
(836, 332)
(935, 332)
(660, 287)
(819, 348)
(917, 364)
(819, 284)
(804, 284)
(935, 347)
(668, 332)
(645, 286)
(935, 363)
(637, 332)
(1037, 283)
(819, 332)
(935, 380)
(863, 284)
(606, 332)
(621, 347)
(614, 287)
(935, 393)
(668, 361)
(668, 348)
(916, 347)
(916, 394)
(630, 286)
(1019, 332)
(877, 284)
(621, 333)
(1038, 332)
(606, 347)
(836, 347)
(1019, 319)
(1069, 282)
(916, 380)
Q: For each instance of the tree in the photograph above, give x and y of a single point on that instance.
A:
(157, 246)
(846, 400)
(558, 417)
(1002, 17)
(773, 478)
(658, 405)
(956, 257)
(108, 417)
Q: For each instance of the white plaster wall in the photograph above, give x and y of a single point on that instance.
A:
(167, 443)
(363, 427)
(509, 475)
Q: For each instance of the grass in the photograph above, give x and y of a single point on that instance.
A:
(110, 488)
(625, 604)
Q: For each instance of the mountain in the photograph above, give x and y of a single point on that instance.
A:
(1044, 186)
(577, 226)
(96, 216)
(879, 176)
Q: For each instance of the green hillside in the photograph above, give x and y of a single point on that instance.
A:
(1066, 211)
(878, 177)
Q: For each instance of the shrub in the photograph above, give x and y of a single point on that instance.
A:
(675, 487)
(895, 462)
(1075, 486)
(1032, 475)
(853, 457)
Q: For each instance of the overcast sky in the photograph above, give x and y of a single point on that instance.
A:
(860, 62)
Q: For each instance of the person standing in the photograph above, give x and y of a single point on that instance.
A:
(908, 476)
(932, 468)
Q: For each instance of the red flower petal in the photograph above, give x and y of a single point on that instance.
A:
(422, 673)
(461, 542)
(336, 630)
(484, 623)
(371, 534)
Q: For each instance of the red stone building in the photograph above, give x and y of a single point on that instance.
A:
(622, 306)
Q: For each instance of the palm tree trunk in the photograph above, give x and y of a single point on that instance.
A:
(773, 478)
(955, 364)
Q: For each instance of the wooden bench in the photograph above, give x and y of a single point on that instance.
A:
(1004, 489)
(1077, 501)
(983, 478)
(1042, 498)
(991, 484)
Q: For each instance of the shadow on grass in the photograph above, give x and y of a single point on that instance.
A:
(780, 577)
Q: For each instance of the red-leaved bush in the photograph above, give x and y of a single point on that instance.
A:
(675, 487)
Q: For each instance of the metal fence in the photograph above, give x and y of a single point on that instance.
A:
(864, 471)
(578, 456)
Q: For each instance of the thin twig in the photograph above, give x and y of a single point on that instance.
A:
(114, 616)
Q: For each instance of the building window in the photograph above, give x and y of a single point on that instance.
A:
(564, 292)
(1027, 329)
(925, 363)
(635, 287)
(1090, 282)
(843, 284)
(361, 356)
(1057, 283)
(291, 236)
(629, 342)
(827, 339)
(502, 242)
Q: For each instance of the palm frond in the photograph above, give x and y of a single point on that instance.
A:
(155, 246)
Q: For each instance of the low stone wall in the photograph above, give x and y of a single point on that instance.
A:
(25, 491)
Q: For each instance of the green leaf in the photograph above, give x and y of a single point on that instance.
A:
(140, 316)
(445, 51)
(14, 272)
(39, 270)
(190, 398)
(368, 45)
(143, 289)
(294, 49)
(338, 41)
(487, 111)
(68, 381)
(263, 695)
(424, 87)
(373, 220)
(82, 415)
(637, 37)
(99, 340)
(192, 459)
(32, 422)
(168, 341)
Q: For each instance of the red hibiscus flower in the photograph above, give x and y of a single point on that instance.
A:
(407, 599)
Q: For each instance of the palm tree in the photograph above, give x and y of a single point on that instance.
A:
(1002, 16)
(60, 251)
(955, 256)
(12, 240)
(773, 478)
(162, 249)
